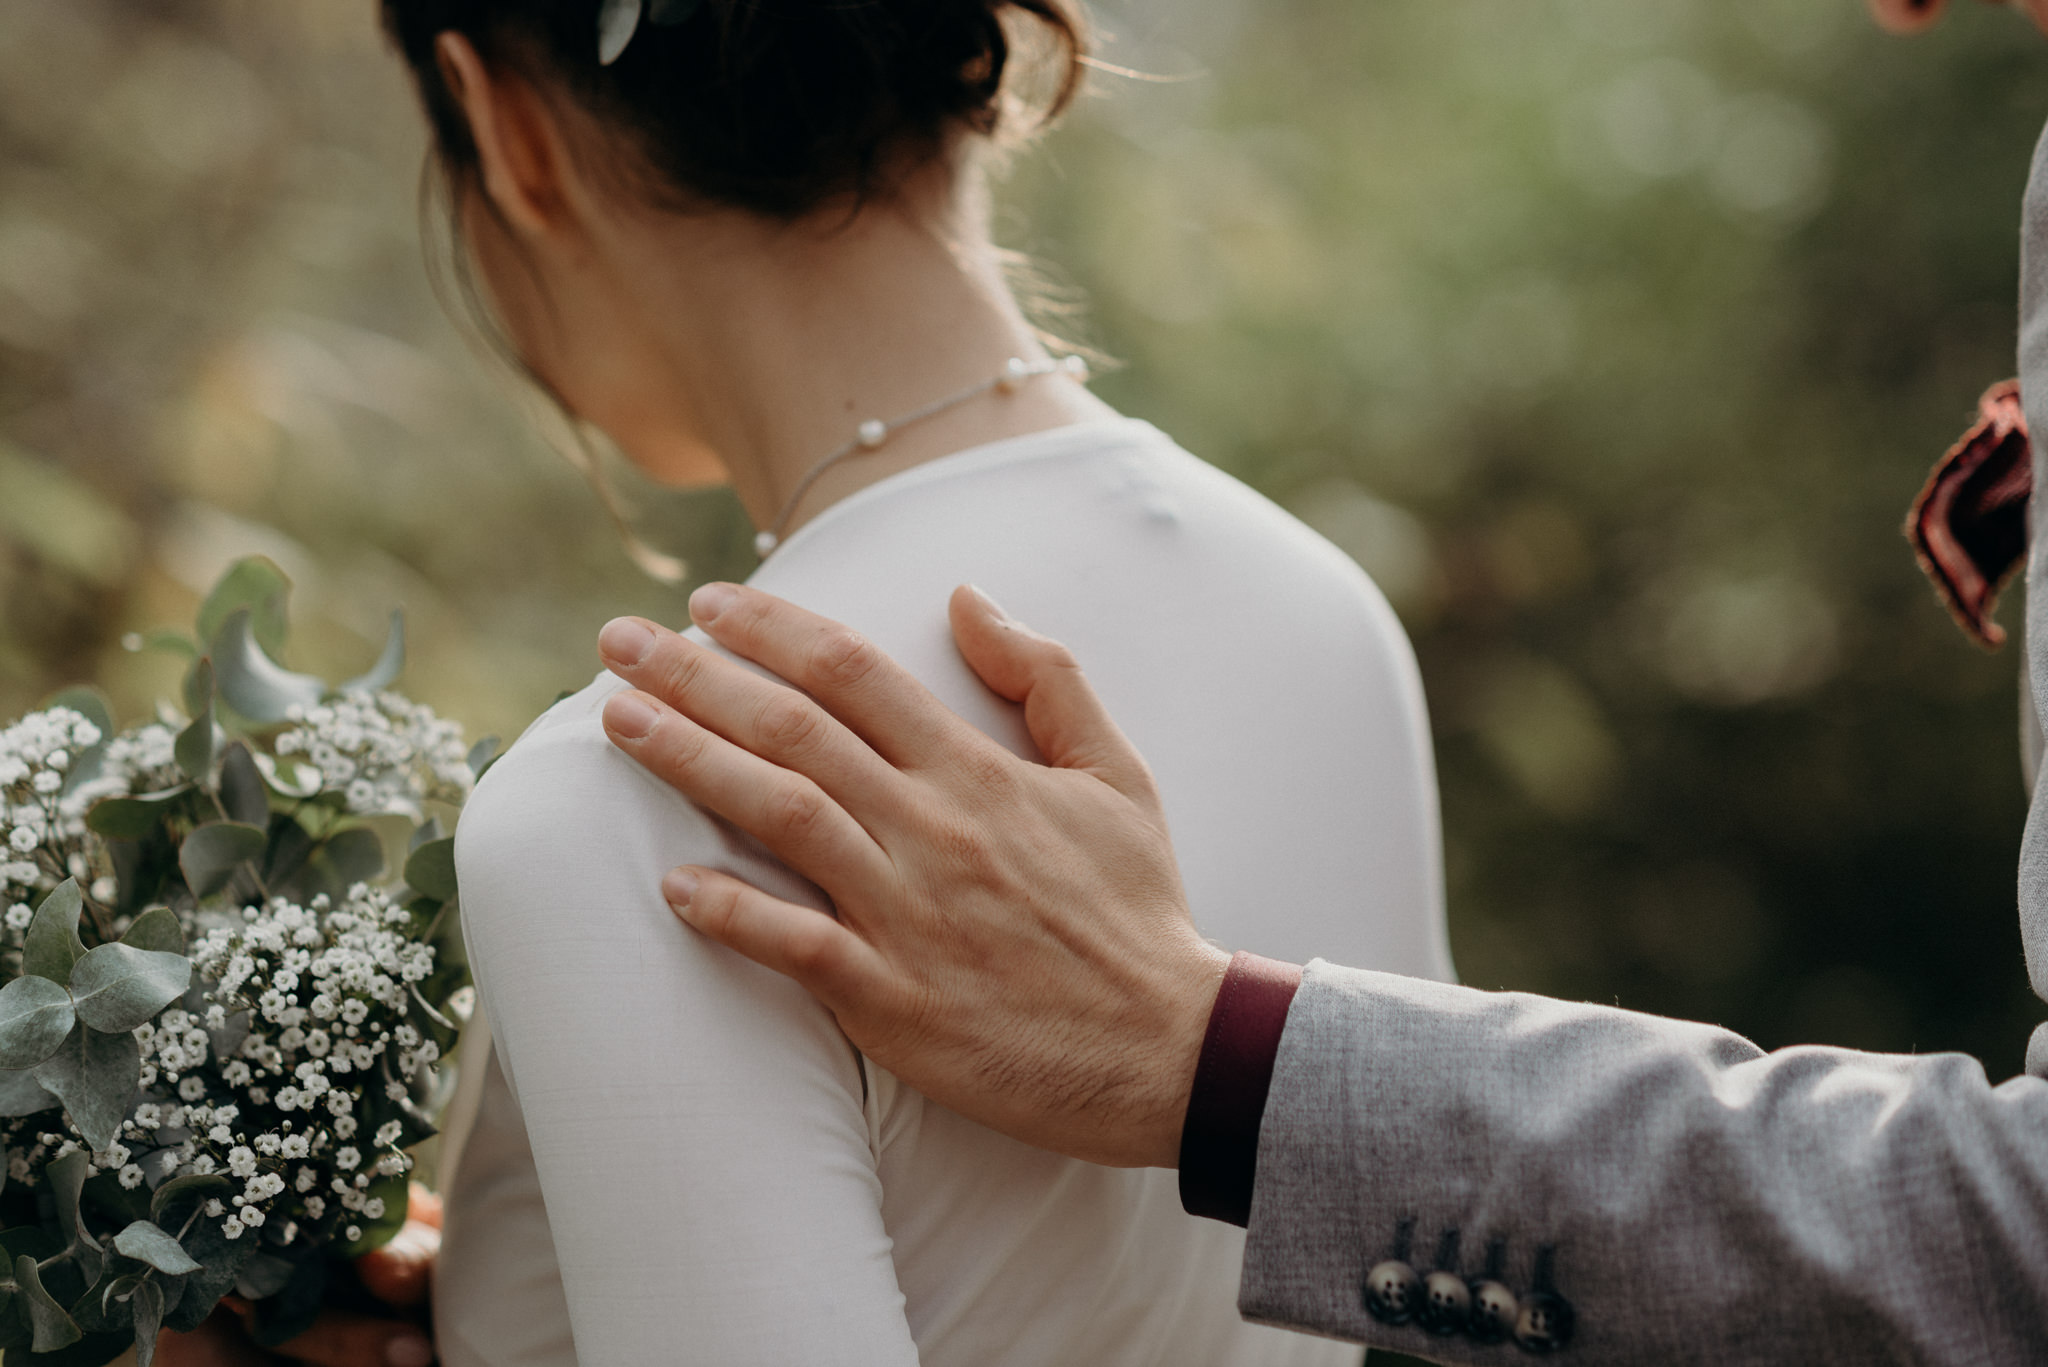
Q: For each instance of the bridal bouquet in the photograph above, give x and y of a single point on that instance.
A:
(230, 966)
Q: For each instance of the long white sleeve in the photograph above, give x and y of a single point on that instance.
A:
(696, 1120)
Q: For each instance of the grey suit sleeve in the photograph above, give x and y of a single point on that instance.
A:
(1696, 1200)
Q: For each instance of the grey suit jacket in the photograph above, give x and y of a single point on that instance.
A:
(1662, 1192)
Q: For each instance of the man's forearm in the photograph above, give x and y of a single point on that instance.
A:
(1684, 1196)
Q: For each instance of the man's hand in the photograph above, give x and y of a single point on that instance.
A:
(1012, 939)
(399, 1274)
(1910, 16)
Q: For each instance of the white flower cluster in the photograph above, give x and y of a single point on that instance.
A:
(43, 839)
(383, 752)
(42, 828)
(303, 1041)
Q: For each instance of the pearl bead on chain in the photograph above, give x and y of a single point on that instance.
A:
(874, 433)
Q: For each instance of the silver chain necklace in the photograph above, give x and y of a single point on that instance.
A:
(873, 434)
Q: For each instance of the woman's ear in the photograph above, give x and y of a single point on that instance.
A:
(520, 151)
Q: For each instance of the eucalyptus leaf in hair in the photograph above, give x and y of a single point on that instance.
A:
(617, 22)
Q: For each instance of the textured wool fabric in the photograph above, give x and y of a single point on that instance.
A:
(719, 1176)
(1701, 1201)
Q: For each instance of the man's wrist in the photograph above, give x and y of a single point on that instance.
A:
(1219, 1149)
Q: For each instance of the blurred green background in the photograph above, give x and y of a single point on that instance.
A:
(1612, 336)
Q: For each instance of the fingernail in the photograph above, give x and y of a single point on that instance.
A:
(408, 1350)
(995, 608)
(679, 887)
(629, 716)
(708, 602)
(625, 641)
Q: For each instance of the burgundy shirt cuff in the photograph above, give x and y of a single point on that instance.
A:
(1219, 1140)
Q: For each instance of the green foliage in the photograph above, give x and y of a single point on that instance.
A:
(185, 860)
(212, 855)
(53, 945)
(254, 586)
(389, 665)
(95, 1075)
(21, 1094)
(132, 818)
(146, 1243)
(254, 684)
(431, 870)
(35, 1018)
(243, 797)
(156, 929)
(195, 743)
(118, 987)
(54, 1328)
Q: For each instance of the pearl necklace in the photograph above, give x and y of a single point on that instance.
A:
(873, 434)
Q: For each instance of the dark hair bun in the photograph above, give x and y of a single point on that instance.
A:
(778, 106)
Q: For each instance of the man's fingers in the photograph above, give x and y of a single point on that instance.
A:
(785, 811)
(1068, 722)
(769, 718)
(833, 963)
(882, 702)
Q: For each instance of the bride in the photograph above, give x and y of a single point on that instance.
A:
(748, 240)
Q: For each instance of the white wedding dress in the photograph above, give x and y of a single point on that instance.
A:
(718, 1176)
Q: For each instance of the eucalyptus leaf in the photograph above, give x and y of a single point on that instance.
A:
(156, 929)
(483, 755)
(254, 585)
(118, 1289)
(252, 683)
(617, 21)
(52, 944)
(118, 987)
(264, 1275)
(289, 1312)
(220, 1262)
(95, 1075)
(241, 788)
(67, 1181)
(195, 691)
(131, 818)
(354, 856)
(211, 854)
(389, 665)
(35, 1018)
(150, 1244)
(426, 833)
(196, 1186)
(53, 1328)
(149, 1319)
(15, 1331)
(289, 777)
(431, 869)
(194, 747)
(21, 1094)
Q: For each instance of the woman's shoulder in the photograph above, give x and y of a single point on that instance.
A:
(564, 791)
(566, 808)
